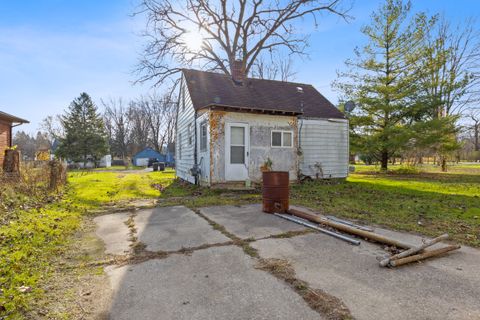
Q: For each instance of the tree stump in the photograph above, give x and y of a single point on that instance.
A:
(58, 174)
(11, 163)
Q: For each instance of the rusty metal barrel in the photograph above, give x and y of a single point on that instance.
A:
(275, 191)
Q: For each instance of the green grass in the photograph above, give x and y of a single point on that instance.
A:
(91, 189)
(428, 202)
(424, 201)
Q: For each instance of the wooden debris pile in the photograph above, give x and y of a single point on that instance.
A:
(410, 253)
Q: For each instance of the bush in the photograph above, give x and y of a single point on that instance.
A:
(31, 229)
(405, 169)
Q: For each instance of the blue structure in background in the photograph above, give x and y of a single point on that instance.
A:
(141, 158)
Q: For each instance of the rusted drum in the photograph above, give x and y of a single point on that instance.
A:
(275, 191)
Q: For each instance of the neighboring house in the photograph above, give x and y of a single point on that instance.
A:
(227, 127)
(7, 122)
(141, 158)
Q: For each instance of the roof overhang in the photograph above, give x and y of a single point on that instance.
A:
(251, 110)
(12, 119)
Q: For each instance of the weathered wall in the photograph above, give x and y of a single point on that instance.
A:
(260, 127)
(185, 140)
(325, 148)
(4, 139)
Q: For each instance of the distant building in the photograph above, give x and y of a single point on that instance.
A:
(7, 122)
(141, 158)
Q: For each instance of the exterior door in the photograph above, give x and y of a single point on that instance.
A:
(237, 145)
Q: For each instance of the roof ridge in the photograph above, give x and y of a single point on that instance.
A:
(248, 78)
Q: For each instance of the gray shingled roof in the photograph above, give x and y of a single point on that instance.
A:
(208, 89)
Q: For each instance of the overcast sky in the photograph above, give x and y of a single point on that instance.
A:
(52, 50)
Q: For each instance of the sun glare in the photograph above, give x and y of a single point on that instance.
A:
(194, 41)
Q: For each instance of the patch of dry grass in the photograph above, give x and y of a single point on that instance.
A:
(329, 306)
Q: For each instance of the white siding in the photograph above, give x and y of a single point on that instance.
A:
(324, 142)
(185, 117)
(141, 162)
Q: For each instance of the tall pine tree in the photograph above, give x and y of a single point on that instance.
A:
(383, 79)
(85, 135)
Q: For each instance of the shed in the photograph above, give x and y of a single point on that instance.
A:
(141, 158)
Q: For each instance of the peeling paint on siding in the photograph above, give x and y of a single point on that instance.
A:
(260, 126)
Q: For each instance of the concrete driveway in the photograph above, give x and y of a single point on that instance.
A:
(179, 264)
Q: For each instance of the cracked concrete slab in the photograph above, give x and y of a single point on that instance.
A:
(443, 288)
(249, 221)
(111, 228)
(174, 228)
(214, 283)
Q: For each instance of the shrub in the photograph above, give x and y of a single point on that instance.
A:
(406, 169)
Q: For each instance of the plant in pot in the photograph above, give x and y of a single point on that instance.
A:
(267, 165)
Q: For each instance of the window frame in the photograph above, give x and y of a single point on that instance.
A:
(282, 132)
(189, 134)
(203, 139)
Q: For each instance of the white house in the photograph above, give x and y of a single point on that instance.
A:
(227, 127)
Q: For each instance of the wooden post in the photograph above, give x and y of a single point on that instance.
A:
(422, 256)
(57, 174)
(413, 250)
(361, 233)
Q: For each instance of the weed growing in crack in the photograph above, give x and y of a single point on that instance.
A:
(320, 301)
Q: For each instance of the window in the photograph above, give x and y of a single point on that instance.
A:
(189, 133)
(179, 146)
(282, 139)
(237, 145)
(203, 136)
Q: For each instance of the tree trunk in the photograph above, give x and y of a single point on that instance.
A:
(443, 161)
(477, 143)
(384, 160)
(352, 158)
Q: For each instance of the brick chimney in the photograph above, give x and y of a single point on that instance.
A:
(238, 74)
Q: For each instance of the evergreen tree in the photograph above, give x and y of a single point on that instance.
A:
(383, 81)
(84, 132)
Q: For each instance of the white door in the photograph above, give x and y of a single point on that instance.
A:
(237, 145)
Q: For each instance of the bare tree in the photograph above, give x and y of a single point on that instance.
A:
(474, 116)
(159, 115)
(52, 127)
(453, 67)
(277, 69)
(118, 126)
(213, 35)
(139, 135)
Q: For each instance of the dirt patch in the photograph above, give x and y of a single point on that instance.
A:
(76, 289)
(329, 306)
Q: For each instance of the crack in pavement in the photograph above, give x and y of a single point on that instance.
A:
(318, 300)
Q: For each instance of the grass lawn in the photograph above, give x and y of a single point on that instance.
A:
(428, 202)
(90, 189)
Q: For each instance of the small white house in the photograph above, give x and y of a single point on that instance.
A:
(227, 127)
